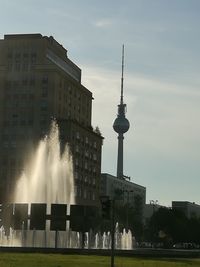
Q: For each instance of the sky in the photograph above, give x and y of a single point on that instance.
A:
(161, 80)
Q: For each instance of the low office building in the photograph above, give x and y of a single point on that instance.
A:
(150, 209)
(190, 209)
(129, 192)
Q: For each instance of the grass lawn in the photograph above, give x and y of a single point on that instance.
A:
(57, 260)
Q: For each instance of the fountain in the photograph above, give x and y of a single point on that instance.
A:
(48, 178)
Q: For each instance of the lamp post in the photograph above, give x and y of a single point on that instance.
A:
(117, 195)
(127, 206)
(112, 232)
(108, 212)
(153, 203)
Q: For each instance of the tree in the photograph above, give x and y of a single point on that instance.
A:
(172, 226)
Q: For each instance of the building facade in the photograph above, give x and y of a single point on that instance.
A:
(38, 82)
(112, 186)
(190, 209)
(150, 209)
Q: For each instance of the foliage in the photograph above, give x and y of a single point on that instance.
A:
(172, 226)
(97, 130)
(129, 216)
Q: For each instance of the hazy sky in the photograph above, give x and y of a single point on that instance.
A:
(162, 81)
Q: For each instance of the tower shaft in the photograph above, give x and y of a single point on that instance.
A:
(121, 125)
(120, 160)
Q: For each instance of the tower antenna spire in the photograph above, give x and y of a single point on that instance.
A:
(122, 77)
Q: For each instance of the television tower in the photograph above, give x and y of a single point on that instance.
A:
(121, 125)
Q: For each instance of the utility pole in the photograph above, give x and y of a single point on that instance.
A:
(127, 202)
(108, 213)
(112, 232)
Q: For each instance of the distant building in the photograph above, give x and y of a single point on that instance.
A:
(190, 209)
(150, 209)
(111, 186)
(39, 82)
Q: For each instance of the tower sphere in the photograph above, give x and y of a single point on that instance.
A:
(121, 125)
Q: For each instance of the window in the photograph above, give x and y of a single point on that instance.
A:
(9, 56)
(93, 196)
(44, 92)
(80, 192)
(59, 96)
(6, 123)
(45, 79)
(17, 56)
(77, 135)
(25, 66)
(23, 122)
(33, 58)
(8, 85)
(25, 56)
(31, 97)
(95, 145)
(32, 81)
(24, 82)
(76, 175)
(43, 108)
(30, 122)
(10, 66)
(4, 137)
(85, 193)
(13, 144)
(17, 66)
(75, 191)
(6, 144)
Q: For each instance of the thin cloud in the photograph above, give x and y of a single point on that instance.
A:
(103, 23)
(159, 108)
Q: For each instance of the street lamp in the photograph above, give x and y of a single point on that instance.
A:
(118, 195)
(127, 206)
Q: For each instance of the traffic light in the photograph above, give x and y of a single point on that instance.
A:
(105, 208)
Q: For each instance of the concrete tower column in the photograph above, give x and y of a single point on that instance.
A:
(121, 125)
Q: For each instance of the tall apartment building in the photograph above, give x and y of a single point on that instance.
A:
(39, 82)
